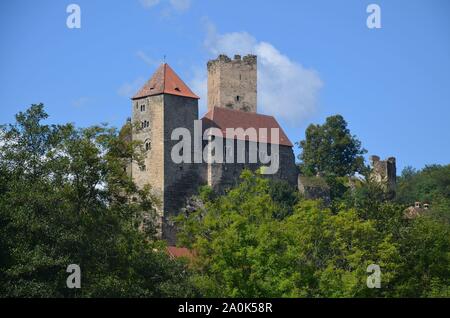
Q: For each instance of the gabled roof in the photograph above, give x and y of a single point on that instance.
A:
(224, 118)
(165, 81)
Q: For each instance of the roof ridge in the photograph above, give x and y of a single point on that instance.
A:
(164, 77)
(167, 82)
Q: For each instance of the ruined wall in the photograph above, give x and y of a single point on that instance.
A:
(385, 173)
(232, 82)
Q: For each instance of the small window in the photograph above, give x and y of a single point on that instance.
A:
(238, 98)
(177, 89)
(145, 124)
(148, 145)
(142, 108)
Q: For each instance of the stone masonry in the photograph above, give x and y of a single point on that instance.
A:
(385, 173)
(232, 83)
(165, 103)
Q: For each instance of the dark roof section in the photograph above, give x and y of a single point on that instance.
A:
(165, 81)
(176, 252)
(224, 118)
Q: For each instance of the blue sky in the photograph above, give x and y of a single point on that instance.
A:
(318, 58)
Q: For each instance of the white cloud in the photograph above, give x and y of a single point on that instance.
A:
(286, 89)
(180, 5)
(176, 5)
(80, 101)
(199, 85)
(130, 88)
(147, 59)
(149, 3)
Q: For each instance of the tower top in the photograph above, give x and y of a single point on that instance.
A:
(232, 83)
(165, 81)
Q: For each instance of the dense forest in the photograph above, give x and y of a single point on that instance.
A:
(65, 198)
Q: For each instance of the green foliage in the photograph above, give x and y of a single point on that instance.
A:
(284, 196)
(65, 199)
(244, 250)
(330, 149)
(430, 185)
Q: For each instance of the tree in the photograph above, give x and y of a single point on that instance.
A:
(430, 185)
(331, 149)
(65, 198)
(244, 250)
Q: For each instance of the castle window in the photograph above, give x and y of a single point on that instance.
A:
(145, 124)
(237, 98)
(148, 145)
(142, 108)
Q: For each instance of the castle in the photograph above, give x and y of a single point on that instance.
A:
(165, 104)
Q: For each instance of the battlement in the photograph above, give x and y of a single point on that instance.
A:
(232, 82)
(249, 59)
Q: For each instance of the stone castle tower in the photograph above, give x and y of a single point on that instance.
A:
(232, 83)
(164, 103)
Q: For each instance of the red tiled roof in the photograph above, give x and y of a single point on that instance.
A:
(177, 252)
(224, 118)
(165, 81)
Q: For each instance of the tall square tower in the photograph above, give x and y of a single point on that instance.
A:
(162, 105)
(232, 83)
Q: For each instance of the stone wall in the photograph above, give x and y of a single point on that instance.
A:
(180, 180)
(171, 183)
(153, 173)
(232, 82)
(385, 173)
(221, 176)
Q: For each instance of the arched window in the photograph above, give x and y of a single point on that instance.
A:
(148, 145)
